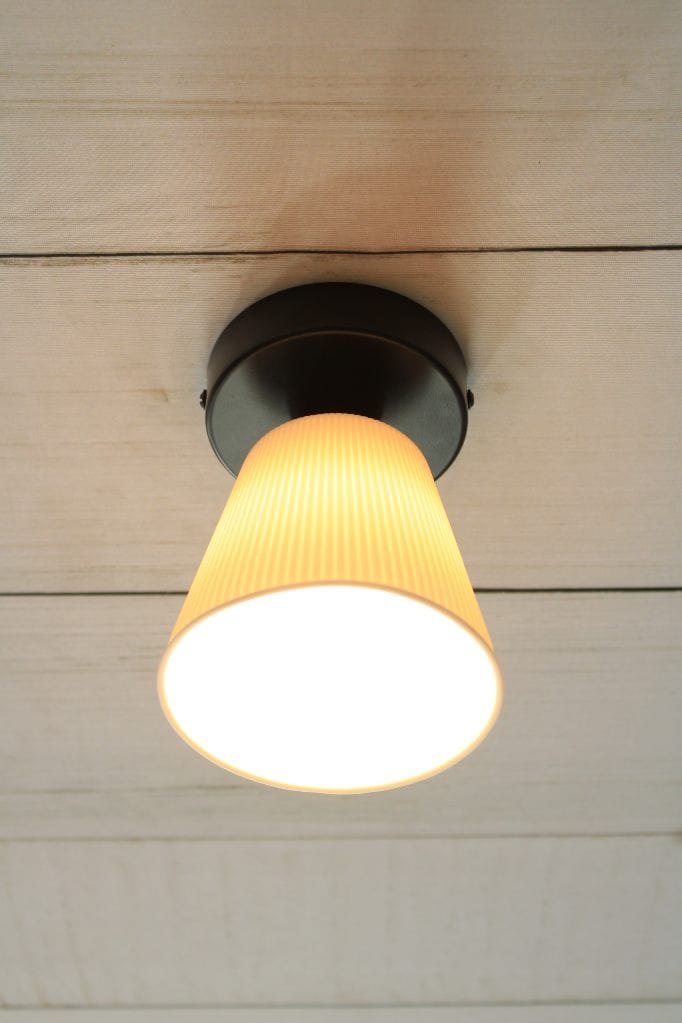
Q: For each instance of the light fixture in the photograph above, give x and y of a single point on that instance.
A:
(331, 640)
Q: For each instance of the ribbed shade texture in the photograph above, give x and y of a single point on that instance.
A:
(331, 640)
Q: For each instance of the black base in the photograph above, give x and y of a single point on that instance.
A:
(337, 348)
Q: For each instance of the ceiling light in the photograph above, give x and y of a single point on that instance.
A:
(331, 640)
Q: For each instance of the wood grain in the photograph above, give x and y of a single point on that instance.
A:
(540, 880)
(355, 923)
(569, 475)
(252, 125)
(587, 742)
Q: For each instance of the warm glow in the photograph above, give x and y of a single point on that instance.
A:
(331, 687)
(331, 640)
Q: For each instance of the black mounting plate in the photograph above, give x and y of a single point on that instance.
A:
(337, 348)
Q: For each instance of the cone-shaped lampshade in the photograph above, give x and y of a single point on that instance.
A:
(331, 640)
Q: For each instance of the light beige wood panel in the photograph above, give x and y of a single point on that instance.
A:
(646, 1012)
(569, 477)
(201, 124)
(588, 740)
(351, 922)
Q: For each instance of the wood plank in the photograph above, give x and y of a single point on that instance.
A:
(588, 740)
(198, 125)
(646, 1012)
(355, 923)
(569, 476)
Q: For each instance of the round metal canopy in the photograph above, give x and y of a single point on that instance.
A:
(337, 348)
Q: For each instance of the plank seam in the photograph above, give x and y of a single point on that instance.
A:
(345, 1006)
(304, 839)
(503, 590)
(175, 253)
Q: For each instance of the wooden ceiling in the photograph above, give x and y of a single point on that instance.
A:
(515, 166)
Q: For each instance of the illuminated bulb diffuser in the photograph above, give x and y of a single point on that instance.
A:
(331, 640)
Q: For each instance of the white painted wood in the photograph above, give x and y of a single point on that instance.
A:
(543, 869)
(643, 1013)
(341, 922)
(198, 124)
(569, 476)
(588, 741)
